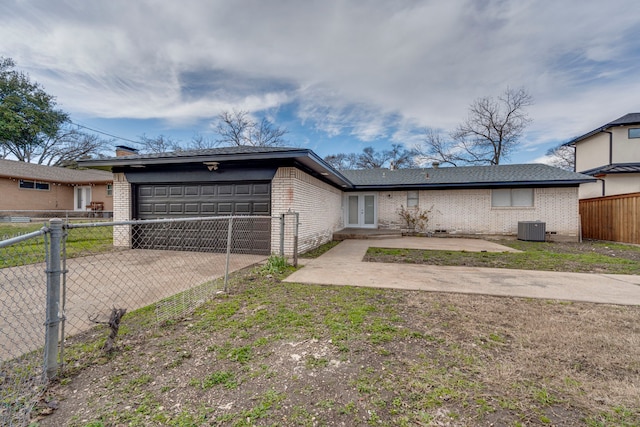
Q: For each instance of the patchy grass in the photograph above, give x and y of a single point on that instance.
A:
(8, 231)
(271, 353)
(590, 257)
(315, 253)
(80, 242)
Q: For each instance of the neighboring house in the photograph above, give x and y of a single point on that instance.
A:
(610, 153)
(27, 186)
(486, 200)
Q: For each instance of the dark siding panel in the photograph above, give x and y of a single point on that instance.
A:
(190, 200)
(225, 208)
(261, 189)
(225, 190)
(260, 208)
(146, 191)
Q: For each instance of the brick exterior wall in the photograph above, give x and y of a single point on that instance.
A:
(99, 194)
(121, 210)
(58, 197)
(319, 205)
(469, 212)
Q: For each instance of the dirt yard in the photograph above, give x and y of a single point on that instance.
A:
(299, 355)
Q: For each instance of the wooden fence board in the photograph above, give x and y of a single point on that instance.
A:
(614, 218)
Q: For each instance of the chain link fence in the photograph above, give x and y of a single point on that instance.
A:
(62, 279)
(39, 215)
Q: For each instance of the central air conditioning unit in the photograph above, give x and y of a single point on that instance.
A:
(531, 231)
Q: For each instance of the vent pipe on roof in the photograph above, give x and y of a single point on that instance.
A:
(123, 150)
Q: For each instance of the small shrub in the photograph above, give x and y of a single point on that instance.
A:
(416, 219)
(276, 264)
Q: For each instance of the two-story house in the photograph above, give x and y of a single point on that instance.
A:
(610, 153)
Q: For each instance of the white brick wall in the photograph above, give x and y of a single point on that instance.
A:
(121, 210)
(321, 210)
(319, 205)
(470, 211)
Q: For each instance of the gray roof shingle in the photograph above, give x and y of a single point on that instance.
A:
(615, 168)
(23, 170)
(466, 176)
(627, 119)
(445, 177)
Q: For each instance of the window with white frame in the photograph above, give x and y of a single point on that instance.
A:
(412, 199)
(512, 197)
(109, 189)
(634, 133)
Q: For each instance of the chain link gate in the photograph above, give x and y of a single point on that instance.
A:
(61, 280)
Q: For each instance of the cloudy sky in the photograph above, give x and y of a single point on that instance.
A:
(340, 75)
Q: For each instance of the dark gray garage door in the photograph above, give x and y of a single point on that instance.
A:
(250, 235)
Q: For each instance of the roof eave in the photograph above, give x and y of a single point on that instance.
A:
(58, 181)
(303, 156)
(574, 141)
(598, 130)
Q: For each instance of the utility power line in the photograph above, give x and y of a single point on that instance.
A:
(105, 133)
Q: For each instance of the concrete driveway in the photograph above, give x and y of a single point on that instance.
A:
(343, 265)
(97, 283)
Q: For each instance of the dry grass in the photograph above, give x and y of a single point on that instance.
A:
(286, 354)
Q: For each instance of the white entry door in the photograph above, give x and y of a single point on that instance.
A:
(361, 210)
(82, 198)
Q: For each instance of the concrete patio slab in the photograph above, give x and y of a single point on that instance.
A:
(343, 265)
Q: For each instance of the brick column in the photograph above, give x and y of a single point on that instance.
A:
(121, 210)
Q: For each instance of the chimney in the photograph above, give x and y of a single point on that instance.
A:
(435, 165)
(123, 150)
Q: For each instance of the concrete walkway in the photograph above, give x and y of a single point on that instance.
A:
(343, 265)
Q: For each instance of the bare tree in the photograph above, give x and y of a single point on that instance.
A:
(370, 159)
(342, 161)
(237, 128)
(199, 142)
(397, 157)
(488, 135)
(159, 144)
(563, 156)
(63, 148)
(436, 148)
(71, 145)
(400, 158)
(264, 134)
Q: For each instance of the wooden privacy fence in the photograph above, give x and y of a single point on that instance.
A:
(614, 218)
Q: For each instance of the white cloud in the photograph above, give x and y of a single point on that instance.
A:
(370, 70)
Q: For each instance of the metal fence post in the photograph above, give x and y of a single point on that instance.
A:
(226, 270)
(282, 222)
(295, 239)
(52, 324)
